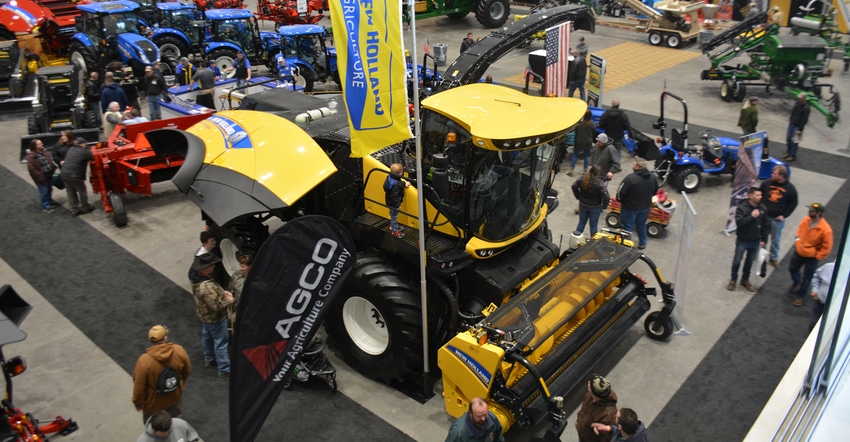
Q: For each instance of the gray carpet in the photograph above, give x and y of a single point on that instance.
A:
(114, 298)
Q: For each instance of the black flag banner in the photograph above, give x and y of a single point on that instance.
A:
(294, 279)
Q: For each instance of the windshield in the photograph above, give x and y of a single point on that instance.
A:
(236, 31)
(120, 23)
(495, 195)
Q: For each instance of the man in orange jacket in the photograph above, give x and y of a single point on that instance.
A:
(813, 243)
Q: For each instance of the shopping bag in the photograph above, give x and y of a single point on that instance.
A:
(57, 181)
(762, 262)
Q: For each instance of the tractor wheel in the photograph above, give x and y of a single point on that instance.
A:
(83, 58)
(5, 34)
(612, 219)
(119, 211)
(309, 80)
(687, 179)
(223, 58)
(90, 119)
(727, 90)
(662, 164)
(376, 323)
(244, 236)
(32, 125)
(739, 91)
(171, 48)
(654, 230)
(656, 38)
(458, 15)
(492, 13)
(674, 41)
(656, 330)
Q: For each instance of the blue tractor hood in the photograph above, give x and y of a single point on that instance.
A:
(136, 47)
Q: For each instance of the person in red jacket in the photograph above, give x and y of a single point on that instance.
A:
(813, 243)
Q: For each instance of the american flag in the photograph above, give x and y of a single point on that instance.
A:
(428, 46)
(557, 59)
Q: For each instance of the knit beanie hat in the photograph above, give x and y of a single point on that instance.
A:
(600, 387)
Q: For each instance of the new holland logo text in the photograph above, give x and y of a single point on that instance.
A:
(473, 365)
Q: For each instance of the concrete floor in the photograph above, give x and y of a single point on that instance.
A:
(87, 386)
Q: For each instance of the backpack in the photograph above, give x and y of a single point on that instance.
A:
(168, 381)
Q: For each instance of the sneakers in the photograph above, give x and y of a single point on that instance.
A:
(642, 246)
(794, 288)
(748, 286)
(398, 233)
(570, 172)
(50, 210)
(774, 263)
(730, 286)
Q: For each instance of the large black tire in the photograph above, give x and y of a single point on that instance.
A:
(90, 119)
(32, 125)
(657, 330)
(687, 179)
(654, 230)
(739, 90)
(492, 13)
(223, 58)
(375, 325)
(171, 48)
(656, 38)
(612, 219)
(727, 90)
(119, 211)
(243, 236)
(82, 57)
(309, 79)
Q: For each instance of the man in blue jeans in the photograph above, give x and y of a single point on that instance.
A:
(635, 196)
(798, 120)
(753, 227)
(211, 302)
(780, 198)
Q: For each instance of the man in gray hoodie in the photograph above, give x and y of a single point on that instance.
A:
(161, 427)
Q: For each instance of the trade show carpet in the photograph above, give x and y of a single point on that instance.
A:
(113, 298)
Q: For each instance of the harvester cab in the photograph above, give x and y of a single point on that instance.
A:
(539, 344)
(111, 31)
(59, 102)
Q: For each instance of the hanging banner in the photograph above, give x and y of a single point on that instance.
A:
(557, 47)
(295, 277)
(372, 71)
(746, 173)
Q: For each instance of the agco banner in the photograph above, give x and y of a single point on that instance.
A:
(373, 72)
(295, 278)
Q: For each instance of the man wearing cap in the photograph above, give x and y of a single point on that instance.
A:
(605, 157)
(185, 71)
(477, 424)
(211, 303)
(813, 243)
(154, 87)
(582, 47)
(599, 406)
(798, 120)
(160, 354)
(749, 117)
(615, 123)
(780, 198)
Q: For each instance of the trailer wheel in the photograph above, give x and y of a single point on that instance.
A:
(674, 41)
(727, 89)
(687, 179)
(656, 38)
(32, 125)
(739, 91)
(82, 57)
(612, 219)
(654, 230)
(119, 211)
(492, 13)
(171, 48)
(656, 329)
(376, 323)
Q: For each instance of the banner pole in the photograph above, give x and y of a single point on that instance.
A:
(423, 285)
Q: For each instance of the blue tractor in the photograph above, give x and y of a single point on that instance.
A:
(179, 30)
(109, 32)
(305, 46)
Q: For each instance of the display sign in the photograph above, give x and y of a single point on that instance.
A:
(596, 80)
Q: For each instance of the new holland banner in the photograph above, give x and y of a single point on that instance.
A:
(372, 70)
(295, 278)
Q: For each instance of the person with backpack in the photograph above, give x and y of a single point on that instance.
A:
(160, 374)
(394, 195)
